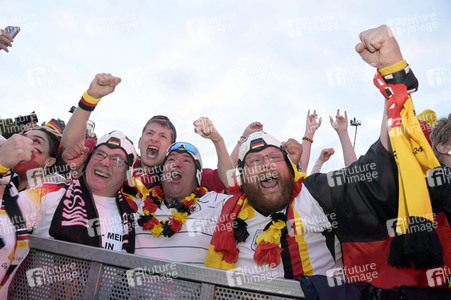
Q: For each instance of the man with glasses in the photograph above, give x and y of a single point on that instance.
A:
(158, 133)
(178, 216)
(92, 209)
(289, 225)
(279, 230)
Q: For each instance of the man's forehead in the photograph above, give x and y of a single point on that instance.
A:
(109, 151)
(158, 127)
(178, 154)
(264, 151)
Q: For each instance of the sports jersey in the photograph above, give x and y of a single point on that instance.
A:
(190, 244)
(322, 249)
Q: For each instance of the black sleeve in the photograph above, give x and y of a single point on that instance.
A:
(439, 184)
(361, 197)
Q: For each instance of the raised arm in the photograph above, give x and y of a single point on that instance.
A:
(294, 150)
(322, 158)
(379, 48)
(312, 124)
(340, 124)
(206, 129)
(251, 128)
(74, 134)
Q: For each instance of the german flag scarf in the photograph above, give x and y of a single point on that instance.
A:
(223, 252)
(412, 243)
(10, 207)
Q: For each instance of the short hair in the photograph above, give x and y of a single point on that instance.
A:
(441, 133)
(163, 121)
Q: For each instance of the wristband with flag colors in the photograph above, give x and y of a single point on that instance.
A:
(87, 102)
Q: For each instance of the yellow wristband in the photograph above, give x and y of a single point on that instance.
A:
(90, 99)
(393, 68)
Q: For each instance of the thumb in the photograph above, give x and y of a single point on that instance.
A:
(360, 47)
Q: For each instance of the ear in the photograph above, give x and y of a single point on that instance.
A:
(139, 142)
(50, 161)
(442, 148)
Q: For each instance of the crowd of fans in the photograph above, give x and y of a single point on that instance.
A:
(258, 210)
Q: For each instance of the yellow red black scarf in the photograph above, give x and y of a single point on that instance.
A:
(411, 245)
(223, 252)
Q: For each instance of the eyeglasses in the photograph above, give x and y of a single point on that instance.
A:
(257, 160)
(115, 160)
(183, 146)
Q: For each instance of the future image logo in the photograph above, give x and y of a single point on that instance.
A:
(438, 76)
(94, 228)
(344, 76)
(44, 276)
(238, 276)
(438, 276)
(139, 276)
(339, 276)
(413, 24)
(352, 174)
(411, 224)
(35, 177)
(312, 24)
(335, 277)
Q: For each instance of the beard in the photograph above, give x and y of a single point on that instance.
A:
(265, 203)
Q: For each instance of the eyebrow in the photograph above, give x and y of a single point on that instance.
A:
(112, 155)
(36, 136)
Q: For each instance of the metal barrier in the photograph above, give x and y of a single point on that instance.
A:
(60, 270)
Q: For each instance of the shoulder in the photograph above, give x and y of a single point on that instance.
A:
(214, 197)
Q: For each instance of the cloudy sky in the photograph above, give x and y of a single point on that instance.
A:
(233, 61)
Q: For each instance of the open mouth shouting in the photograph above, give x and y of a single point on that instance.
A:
(176, 176)
(269, 181)
(152, 151)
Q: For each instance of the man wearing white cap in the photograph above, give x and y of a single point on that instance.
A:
(92, 209)
(289, 226)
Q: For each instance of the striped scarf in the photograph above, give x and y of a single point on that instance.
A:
(414, 157)
(10, 208)
(72, 217)
(223, 253)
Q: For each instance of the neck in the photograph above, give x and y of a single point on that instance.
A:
(23, 181)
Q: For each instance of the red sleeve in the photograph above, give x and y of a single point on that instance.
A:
(211, 180)
(90, 143)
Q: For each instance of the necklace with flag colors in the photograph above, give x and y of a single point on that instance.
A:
(268, 250)
(172, 225)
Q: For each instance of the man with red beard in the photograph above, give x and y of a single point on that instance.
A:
(288, 226)
(272, 195)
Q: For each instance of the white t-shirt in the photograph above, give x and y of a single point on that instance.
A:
(190, 244)
(317, 257)
(38, 211)
(110, 223)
